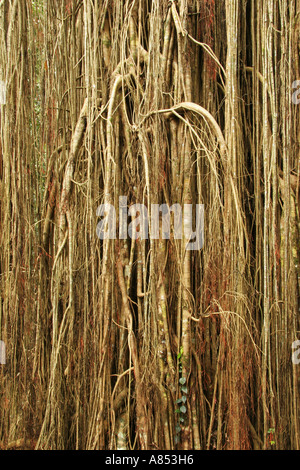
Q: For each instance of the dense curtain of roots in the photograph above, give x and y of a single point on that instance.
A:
(142, 344)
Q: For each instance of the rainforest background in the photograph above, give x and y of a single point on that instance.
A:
(141, 344)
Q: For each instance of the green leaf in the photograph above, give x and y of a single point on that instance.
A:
(182, 380)
(179, 400)
(183, 409)
(177, 428)
(183, 399)
(179, 355)
(177, 411)
(184, 390)
(181, 420)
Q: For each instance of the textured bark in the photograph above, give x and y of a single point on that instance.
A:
(140, 343)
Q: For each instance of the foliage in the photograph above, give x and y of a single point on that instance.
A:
(141, 344)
